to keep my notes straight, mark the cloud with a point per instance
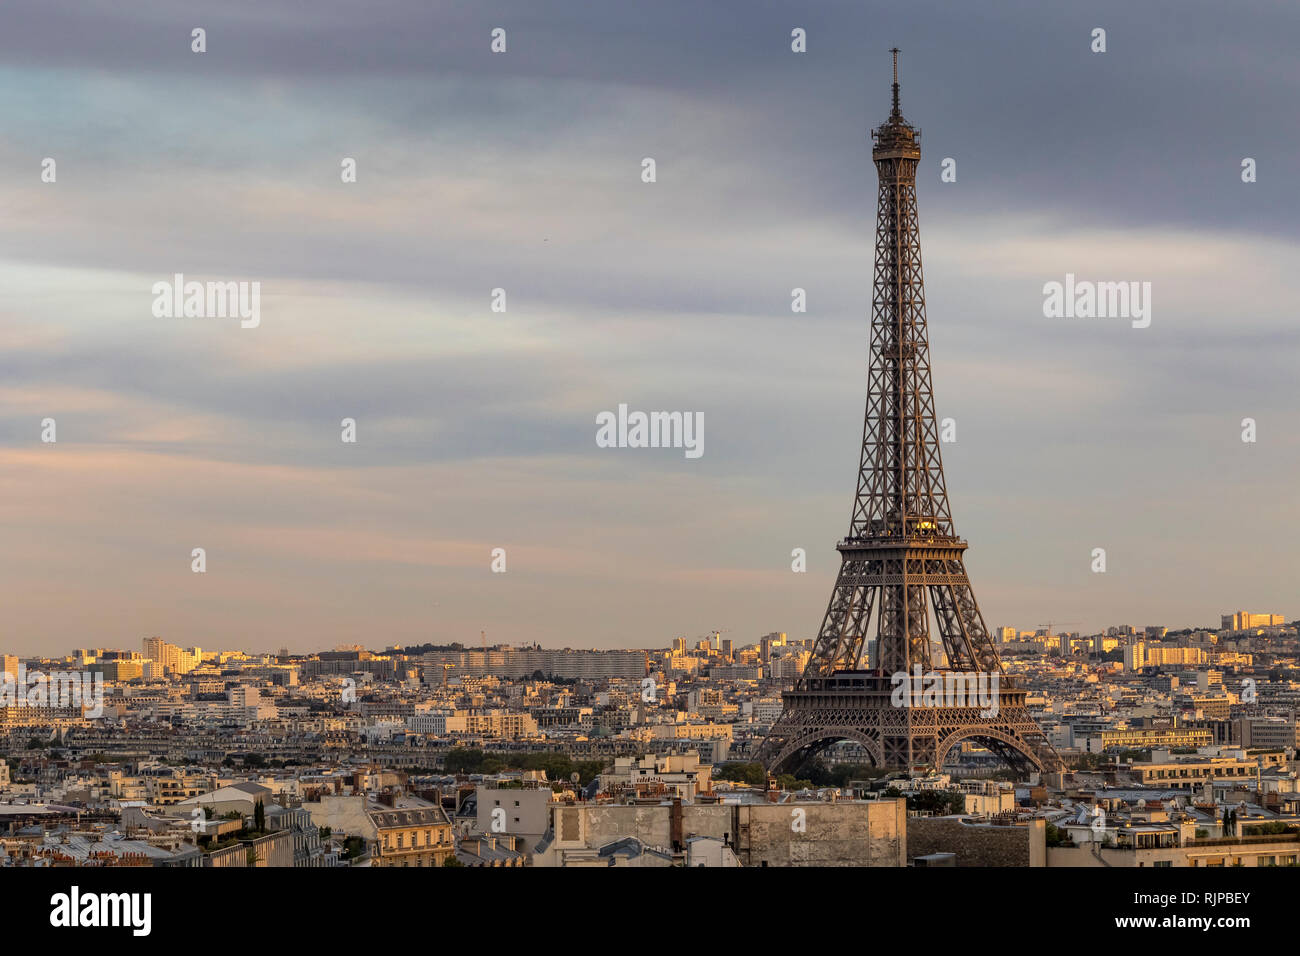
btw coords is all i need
(522, 172)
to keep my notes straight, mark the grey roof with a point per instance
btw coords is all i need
(484, 853)
(414, 816)
(631, 848)
(247, 786)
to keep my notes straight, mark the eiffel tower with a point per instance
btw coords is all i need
(902, 558)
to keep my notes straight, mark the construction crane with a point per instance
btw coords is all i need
(714, 637)
(1049, 625)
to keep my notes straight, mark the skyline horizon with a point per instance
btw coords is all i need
(691, 641)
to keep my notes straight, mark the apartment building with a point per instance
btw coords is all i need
(1187, 774)
(410, 832)
(1245, 620)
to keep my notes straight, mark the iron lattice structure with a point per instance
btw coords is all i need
(902, 557)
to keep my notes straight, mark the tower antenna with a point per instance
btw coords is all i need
(897, 113)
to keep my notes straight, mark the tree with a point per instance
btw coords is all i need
(1229, 823)
(558, 766)
(259, 816)
(741, 772)
(1055, 836)
(938, 802)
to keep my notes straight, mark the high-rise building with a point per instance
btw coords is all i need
(168, 655)
(173, 659)
(1245, 620)
(769, 641)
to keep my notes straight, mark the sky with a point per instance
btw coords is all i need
(522, 171)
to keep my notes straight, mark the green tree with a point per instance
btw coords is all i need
(740, 771)
(938, 802)
(259, 816)
(1055, 836)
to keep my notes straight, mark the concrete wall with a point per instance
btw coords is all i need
(527, 821)
(867, 833)
(978, 844)
(848, 833)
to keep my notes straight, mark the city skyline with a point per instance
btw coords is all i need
(522, 171)
(689, 642)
